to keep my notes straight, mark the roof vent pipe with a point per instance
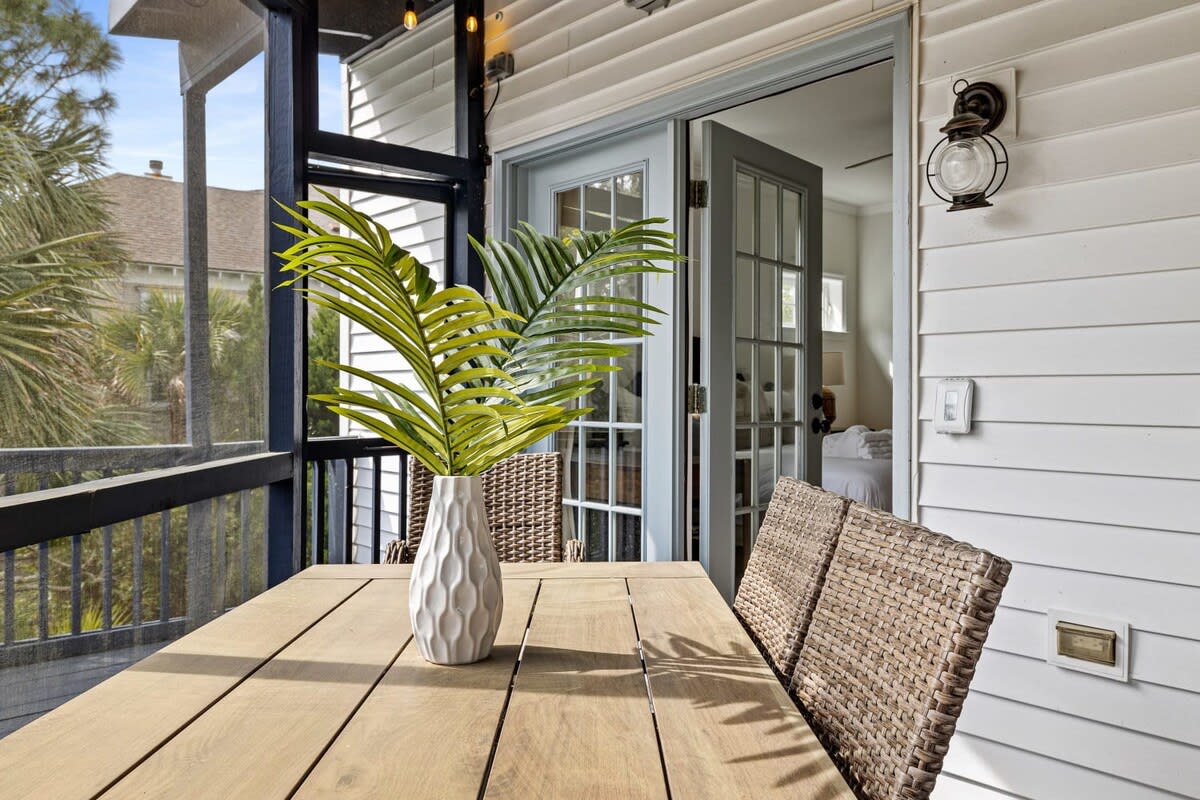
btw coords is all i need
(156, 169)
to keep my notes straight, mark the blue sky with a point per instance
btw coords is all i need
(148, 122)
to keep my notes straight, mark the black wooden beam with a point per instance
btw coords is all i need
(431, 190)
(86, 506)
(354, 151)
(467, 211)
(290, 97)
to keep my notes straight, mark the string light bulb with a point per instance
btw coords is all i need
(410, 16)
(472, 23)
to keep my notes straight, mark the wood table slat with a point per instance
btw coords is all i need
(84, 745)
(579, 722)
(427, 731)
(542, 571)
(260, 740)
(727, 726)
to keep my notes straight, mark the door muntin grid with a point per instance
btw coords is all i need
(769, 353)
(602, 453)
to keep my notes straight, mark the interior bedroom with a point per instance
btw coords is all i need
(843, 126)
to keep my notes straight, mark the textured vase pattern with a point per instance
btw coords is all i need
(455, 596)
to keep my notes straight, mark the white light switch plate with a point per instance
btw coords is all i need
(952, 407)
(1117, 672)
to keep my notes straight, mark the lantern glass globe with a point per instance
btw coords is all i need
(965, 167)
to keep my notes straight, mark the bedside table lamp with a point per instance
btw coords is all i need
(833, 373)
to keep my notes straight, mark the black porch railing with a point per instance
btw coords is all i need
(338, 519)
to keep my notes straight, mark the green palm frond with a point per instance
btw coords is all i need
(460, 414)
(559, 290)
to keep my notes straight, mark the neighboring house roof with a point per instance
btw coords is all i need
(147, 214)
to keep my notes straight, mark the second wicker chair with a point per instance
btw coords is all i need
(787, 568)
(892, 648)
(523, 497)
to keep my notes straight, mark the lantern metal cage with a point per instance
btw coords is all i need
(978, 109)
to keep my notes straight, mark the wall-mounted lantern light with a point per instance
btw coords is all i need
(969, 165)
(410, 16)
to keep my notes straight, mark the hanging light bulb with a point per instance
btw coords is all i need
(410, 16)
(472, 24)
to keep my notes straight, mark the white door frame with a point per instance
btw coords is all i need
(889, 37)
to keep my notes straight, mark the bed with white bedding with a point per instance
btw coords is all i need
(867, 480)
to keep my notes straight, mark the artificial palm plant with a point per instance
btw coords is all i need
(490, 378)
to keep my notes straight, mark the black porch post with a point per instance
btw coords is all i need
(291, 57)
(463, 265)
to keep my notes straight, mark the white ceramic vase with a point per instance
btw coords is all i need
(455, 596)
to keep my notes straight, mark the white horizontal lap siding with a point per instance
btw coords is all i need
(402, 94)
(1073, 302)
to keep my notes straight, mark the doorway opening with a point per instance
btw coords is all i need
(813, 355)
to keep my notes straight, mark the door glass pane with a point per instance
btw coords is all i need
(597, 534)
(745, 213)
(596, 464)
(629, 537)
(567, 444)
(768, 473)
(629, 197)
(628, 468)
(768, 215)
(789, 318)
(768, 299)
(566, 211)
(791, 227)
(570, 523)
(745, 399)
(766, 383)
(597, 204)
(790, 400)
(745, 297)
(628, 386)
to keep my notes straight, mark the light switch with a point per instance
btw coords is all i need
(952, 405)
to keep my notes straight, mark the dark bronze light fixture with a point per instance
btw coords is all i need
(968, 165)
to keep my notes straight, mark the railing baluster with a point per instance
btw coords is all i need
(348, 531)
(106, 572)
(320, 537)
(164, 567)
(376, 505)
(76, 583)
(135, 596)
(244, 541)
(219, 557)
(43, 563)
(402, 517)
(10, 597)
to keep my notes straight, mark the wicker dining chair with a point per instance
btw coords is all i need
(523, 497)
(892, 648)
(787, 568)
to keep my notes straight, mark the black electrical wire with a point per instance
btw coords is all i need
(496, 97)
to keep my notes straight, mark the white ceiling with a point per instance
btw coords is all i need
(833, 123)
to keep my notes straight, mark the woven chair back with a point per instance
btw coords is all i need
(787, 567)
(523, 497)
(892, 648)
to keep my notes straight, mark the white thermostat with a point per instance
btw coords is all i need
(952, 408)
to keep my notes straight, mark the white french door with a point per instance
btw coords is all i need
(760, 324)
(619, 487)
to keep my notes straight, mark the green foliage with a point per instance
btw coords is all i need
(323, 350)
(54, 260)
(145, 355)
(558, 290)
(462, 416)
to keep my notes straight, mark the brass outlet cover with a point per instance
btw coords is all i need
(1097, 645)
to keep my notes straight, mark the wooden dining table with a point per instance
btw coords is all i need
(628, 680)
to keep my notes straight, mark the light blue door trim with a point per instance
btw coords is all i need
(889, 37)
